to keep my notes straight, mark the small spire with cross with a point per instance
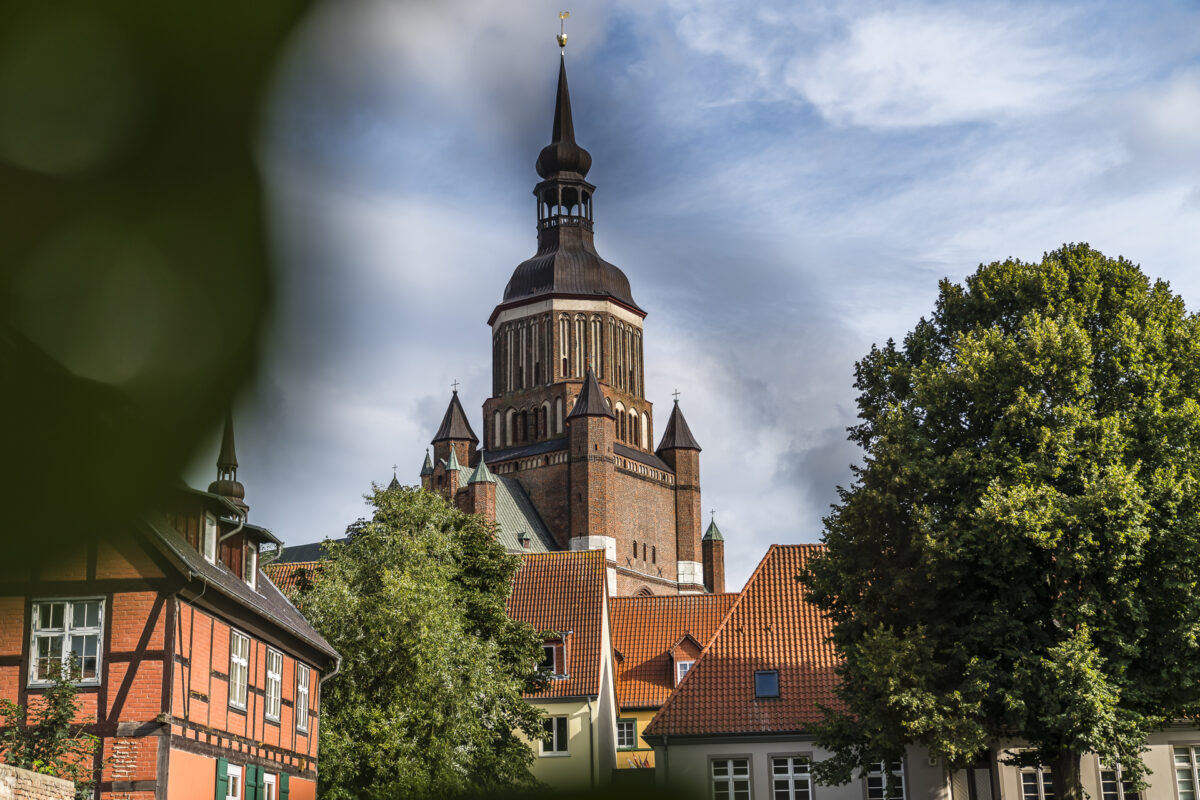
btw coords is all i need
(675, 394)
(562, 29)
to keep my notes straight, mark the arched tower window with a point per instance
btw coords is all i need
(597, 347)
(620, 356)
(508, 426)
(620, 412)
(580, 363)
(545, 419)
(653, 554)
(497, 429)
(635, 550)
(558, 415)
(638, 389)
(508, 358)
(521, 362)
(645, 431)
(564, 351)
(633, 426)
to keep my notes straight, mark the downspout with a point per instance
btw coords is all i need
(666, 759)
(591, 744)
(241, 524)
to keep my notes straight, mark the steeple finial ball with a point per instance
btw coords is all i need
(562, 34)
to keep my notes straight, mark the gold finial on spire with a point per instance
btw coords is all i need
(562, 33)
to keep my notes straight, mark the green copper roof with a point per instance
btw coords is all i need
(452, 462)
(516, 516)
(482, 474)
(713, 534)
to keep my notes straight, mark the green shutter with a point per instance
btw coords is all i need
(251, 790)
(260, 784)
(222, 779)
(283, 786)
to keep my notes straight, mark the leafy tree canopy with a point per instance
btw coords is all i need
(428, 700)
(1018, 553)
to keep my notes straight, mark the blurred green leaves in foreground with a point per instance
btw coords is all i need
(134, 279)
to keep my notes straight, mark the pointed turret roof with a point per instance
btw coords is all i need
(227, 485)
(563, 154)
(677, 435)
(452, 461)
(713, 534)
(482, 474)
(395, 482)
(591, 402)
(427, 467)
(454, 423)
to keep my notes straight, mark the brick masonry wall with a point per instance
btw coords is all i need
(547, 488)
(644, 512)
(21, 784)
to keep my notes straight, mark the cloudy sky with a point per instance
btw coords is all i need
(784, 183)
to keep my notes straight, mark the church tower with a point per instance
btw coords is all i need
(568, 434)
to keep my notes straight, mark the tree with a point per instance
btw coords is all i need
(1018, 553)
(51, 743)
(428, 701)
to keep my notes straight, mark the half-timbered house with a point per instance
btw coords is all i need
(202, 680)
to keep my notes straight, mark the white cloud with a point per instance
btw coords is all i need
(920, 67)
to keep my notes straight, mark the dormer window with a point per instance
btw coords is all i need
(681, 669)
(250, 565)
(554, 659)
(209, 546)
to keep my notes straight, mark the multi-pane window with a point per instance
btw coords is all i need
(626, 734)
(239, 668)
(250, 564)
(681, 669)
(1113, 785)
(302, 679)
(270, 788)
(554, 738)
(1187, 771)
(790, 778)
(233, 789)
(766, 683)
(210, 538)
(1037, 783)
(731, 778)
(877, 782)
(65, 635)
(274, 683)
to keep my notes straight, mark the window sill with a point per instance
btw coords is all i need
(554, 755)
(237, 708)
(271, 720)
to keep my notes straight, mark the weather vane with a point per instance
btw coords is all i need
(562, 32)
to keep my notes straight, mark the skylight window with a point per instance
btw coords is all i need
(766, 683)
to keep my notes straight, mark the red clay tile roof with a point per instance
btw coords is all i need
(289, 577)
(565, 591)
(770, 627)
(644, 629)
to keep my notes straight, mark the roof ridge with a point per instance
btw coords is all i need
(671, 700)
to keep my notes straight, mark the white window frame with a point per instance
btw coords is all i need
(209, 537)
(1118, 781)
(875, 780)
(65, 633)
(682, 667)
(250, 565)
(791, 770)
(239, 669)
(726, 775)
(303, 689)
(632, 723)
(270, 788)
(557, 739)
(1189, 768)
(233, 789)
(1039, 776)
(273, 696)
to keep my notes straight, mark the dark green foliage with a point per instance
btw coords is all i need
(429, 696)
(1018, 554)
(51, 743)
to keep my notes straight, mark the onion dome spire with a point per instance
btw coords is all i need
(227, 485)
(454, 424)
(677, 435)
(591, 402)
(563, 154)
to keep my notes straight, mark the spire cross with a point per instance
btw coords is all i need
(712, 513)
(562, 31)
(394, 468)
(675, 394)
(454, 385)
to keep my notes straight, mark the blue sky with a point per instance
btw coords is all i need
(784, 184)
